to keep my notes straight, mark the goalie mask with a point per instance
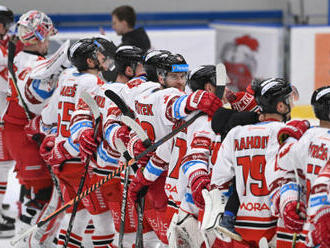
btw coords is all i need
(321, 103)
(83, 49)
(34, 26)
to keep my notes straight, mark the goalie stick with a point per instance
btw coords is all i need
(107, 178)
(97, 117)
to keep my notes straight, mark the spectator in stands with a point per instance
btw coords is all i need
(123, 22)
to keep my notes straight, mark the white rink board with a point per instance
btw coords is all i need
(302, 62)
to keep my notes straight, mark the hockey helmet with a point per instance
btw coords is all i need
(151, 61)
(34, 26)
(201, 75)
(270, 91)
(83, 49)
(128, 56)
(321, 103)
(6, 16)
(172, 63)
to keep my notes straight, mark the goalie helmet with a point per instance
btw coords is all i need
(270, 91)
(83, 49)
(6, 16)
(201, 75)
(151, 61)
(34, 26)
(128, 56)
(321, 103)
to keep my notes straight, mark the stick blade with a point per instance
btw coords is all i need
(88, 99)
(221, 76)
(119, 102)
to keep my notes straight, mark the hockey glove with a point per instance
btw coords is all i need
(88, 145)
(294, 129)
(204, 101)
(199, 180)
(122, 133)
(321, 234)
(135, 147)
(58, 154)
(32, 130)
(241, 101)
(46, 146)
(138, 187)
(292, 218)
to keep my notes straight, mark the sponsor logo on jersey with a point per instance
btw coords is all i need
(254, 206)
(143, 109)
(171, 189)
(251, 142)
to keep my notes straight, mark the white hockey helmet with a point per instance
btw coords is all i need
(34, 26)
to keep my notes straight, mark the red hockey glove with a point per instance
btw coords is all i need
(135, 147)
(32, 130)
(321, 234)
(199, 180)
(46, 146)
(291, 218)
(122, 133)
(88, 145)
(241, 101)
(138, 187)
(204, 101)
(293, 129)
(58, 154)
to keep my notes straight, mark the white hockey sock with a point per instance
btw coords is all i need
(4, 169)
(104, 230)
(79, 225)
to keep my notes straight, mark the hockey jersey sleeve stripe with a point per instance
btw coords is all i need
(107, 133)
(82, 124)
(152, 172)
(179, 108)
(42, 93)
(105, 156)
(189, 164)
(73, 145)
(319, 200)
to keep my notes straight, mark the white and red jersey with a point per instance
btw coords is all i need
(35, 92)
(309, 156)
(70, 86)
(194, 148)
(245, 154)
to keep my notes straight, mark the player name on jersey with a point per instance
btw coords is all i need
(251, 142)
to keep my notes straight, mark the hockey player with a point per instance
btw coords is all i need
(301, 158)
(244, 154)
(189, 175)
(7, 228)
(165, 116)
(87, 57)
(30, 88)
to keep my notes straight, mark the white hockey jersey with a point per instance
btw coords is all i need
(245, 154)
(309, 156)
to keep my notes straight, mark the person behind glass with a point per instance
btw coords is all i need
(123, 22)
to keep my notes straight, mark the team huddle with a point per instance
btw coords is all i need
(155, 158)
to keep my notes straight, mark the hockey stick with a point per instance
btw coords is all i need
(221, 79)
(129, 119)
(122, 149)
(107, 178)
(97, 116)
